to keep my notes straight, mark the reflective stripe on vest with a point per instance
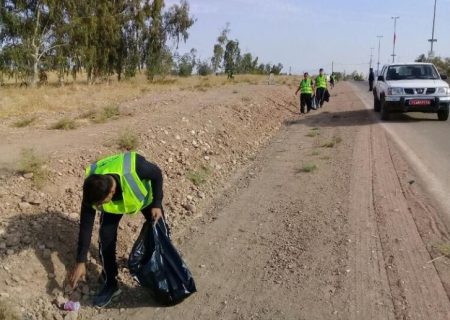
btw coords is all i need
(136, 193)
(305, 86)
(130, 179)
(321, 81)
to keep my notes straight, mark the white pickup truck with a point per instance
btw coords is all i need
(411, 87)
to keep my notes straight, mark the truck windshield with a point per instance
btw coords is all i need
(416, 71)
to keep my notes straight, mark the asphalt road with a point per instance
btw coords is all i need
(426, 143)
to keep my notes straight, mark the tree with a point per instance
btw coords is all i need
(204, 68)
(421, 58)
(231, 57)
(219, 50)
(187, 63)
(276, 69)
(174, 24)
(28, 34)
(246, 64)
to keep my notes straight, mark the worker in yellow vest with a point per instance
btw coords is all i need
(121, 184)
(306, 90)
(321, 86)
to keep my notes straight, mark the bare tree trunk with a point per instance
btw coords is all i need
(34, 75)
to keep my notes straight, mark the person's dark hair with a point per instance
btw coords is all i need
(96, 188)
(321, 69)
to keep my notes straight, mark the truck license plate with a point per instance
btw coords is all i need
(419, 102)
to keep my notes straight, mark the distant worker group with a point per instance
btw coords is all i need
(313, 94)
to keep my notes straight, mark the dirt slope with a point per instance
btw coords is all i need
(321, 224)
(339, 243)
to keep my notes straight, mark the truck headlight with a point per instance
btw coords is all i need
(395, 91)
(443, 90)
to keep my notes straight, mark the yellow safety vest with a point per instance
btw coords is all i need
(321, 81)
(136, 193)
(306, 86)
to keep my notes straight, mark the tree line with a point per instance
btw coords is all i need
(442, 64)
(102, 37)
(109, 37)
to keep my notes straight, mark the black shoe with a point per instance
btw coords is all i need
(106, 294)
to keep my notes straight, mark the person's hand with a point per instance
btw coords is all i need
(156, 215)
(78, 273)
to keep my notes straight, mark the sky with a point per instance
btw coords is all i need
(305, 35)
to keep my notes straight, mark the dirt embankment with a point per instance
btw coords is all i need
(198, 138)
(327, 221)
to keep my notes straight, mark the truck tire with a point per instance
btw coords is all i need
(376, 103)
(383, 110)
(442, 115)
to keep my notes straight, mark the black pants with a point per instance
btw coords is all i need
(305, 99)
(320, 94)
(107, 242)
(370, 85)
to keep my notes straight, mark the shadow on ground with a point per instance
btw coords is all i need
(54, 236)
(356, 118)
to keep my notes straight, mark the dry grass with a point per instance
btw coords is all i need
(128, 140)
(443, 249)
(200, 176)
(111, 112)
(7, 311)
(308, 167)
(64, 124)
(331, 143)
(313, 133)
(30, 162)
(25, 122)
(77, 95)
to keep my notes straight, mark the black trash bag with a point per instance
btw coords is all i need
(326, 96)
(155, 263)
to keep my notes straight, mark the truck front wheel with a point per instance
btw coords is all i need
(443, 115)
(384, 111)
(376, 103)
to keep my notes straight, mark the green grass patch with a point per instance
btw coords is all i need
(314, 132)
(128, 140)
(200, 176)
(30, 162)
(111, 112)
(64, 124)
(331, 143)
(308, 167)
(315, 153)
(443, 249)
(24, 122)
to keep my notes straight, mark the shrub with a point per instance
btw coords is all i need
(64, 124)
(30, 162)
(24, 122)
(127, 140)
(309, 167)
(200, 176)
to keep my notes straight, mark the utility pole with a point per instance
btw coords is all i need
(432, 40)
(395, 38)
(371, 57)
(378, 63)
(332, 67)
